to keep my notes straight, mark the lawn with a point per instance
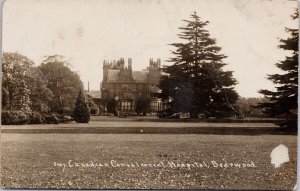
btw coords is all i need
(49, 161)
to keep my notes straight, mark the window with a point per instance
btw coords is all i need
(126, 106)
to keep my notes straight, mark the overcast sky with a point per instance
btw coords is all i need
(88, 31)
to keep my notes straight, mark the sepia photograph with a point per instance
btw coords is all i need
(149, 94)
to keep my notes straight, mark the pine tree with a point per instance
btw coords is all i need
(20, 98)
(283, 101)
(196, 81)
(81, 113)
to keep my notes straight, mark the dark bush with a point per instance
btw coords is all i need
(23, 118)
(63, 118)
(81, 113)
(20, 118)
(51, 119)
(8, 118)
(94, 111)
(36, 118)
(14, 117)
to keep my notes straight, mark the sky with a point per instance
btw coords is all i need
(86, 32)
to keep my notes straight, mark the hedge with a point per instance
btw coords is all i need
(21, 118)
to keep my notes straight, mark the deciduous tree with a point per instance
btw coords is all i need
(62, 81)
(20, 74)
(20, 98)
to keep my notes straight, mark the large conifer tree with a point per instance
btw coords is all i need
(283, 101)
(196, 82)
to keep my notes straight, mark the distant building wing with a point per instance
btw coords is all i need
(94, 93)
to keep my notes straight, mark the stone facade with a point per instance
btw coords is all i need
(131, 91)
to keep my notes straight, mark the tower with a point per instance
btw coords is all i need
(154, 71)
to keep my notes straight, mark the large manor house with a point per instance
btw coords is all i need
(127, 87)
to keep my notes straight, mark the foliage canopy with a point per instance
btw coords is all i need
(283, 101)
(196, 82)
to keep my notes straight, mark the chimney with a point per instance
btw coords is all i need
(129, 62)
(158, 62)
(130, 66)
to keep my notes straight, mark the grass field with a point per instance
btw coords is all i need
(37, 160)
(150, 127)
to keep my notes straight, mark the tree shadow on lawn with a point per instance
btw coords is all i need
(159, 130)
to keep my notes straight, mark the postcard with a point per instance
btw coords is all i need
(149, 94)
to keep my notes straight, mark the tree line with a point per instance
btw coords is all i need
(197, 83)
(37, 94)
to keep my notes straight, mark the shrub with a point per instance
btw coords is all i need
(23, 118)
(94, 111)
(81, 113)
(63, 118)
(8, 118)
(36, 118)
(14, 117)
(51, 119)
